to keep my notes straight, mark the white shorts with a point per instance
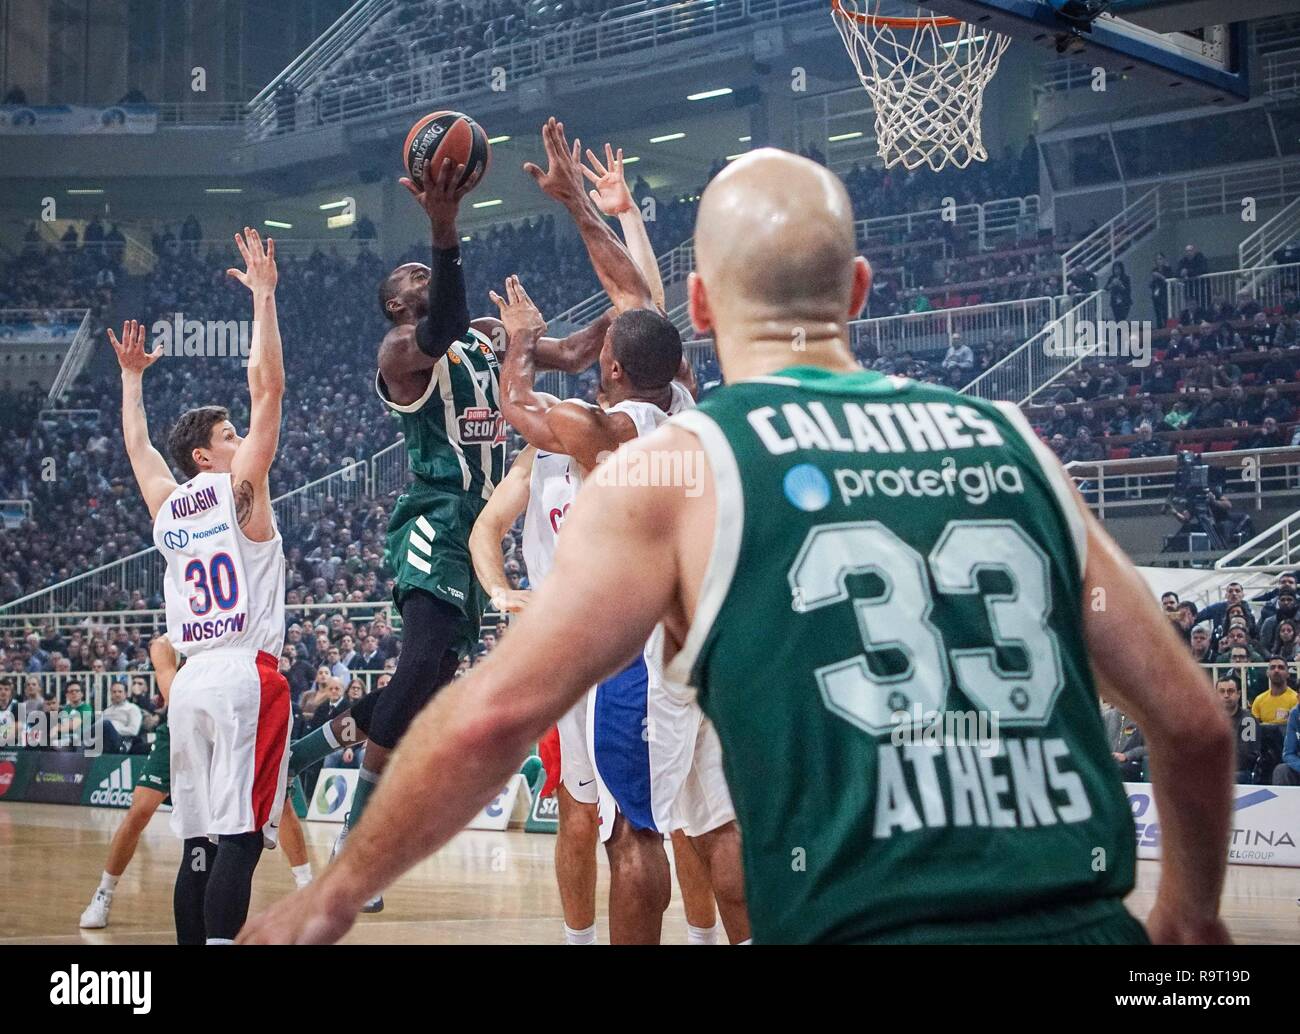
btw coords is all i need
(704, 803)
(577, 773)
(642, 741)
(229, 717)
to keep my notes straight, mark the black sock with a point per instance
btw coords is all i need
(197, 855)
(230, 885)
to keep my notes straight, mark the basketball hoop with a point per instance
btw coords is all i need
(926, 78)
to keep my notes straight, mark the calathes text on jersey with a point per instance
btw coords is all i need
(893, 427)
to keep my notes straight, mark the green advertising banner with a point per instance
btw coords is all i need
(112, 780)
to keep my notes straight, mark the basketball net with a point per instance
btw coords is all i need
(926, 78)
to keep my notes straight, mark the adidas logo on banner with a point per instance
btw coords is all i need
(116, 790)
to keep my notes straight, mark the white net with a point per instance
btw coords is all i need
(926, 77)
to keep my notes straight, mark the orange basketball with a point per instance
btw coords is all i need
(442, 135)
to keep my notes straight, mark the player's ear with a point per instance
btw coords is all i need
(698, 302)
(861, 286)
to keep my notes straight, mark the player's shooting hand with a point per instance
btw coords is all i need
(520, 316)
(440, 195)
(610, 194)
(260, 273)
(131, 355)
(562, 179)
(512, 601)
(313, 915)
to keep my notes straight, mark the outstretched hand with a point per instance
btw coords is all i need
(130, 349)
(518, 313)
(261, 273)
(440, 195)
(562, 179)
(610, 194)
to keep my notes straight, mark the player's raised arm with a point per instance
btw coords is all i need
(503, 507)
(447, 317)
(583, 432)
(562, 180)
(1145, 669)
(611, 195)
(465, 745)
(250, 470)
(151, 471)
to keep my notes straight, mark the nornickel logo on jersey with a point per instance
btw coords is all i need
(176, 539)
(125, 987)
(207, 533)
(482, 426)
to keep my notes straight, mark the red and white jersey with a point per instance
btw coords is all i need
(550, 493)
(221, 589)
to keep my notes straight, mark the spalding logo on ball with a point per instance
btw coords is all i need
(442, 135)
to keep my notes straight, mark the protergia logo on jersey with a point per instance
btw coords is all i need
(132, 988)
(976, 484)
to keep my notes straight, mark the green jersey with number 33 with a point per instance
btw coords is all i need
(889, 640)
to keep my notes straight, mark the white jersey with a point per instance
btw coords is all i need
(221, 588)
(556, 480)
(550, 493)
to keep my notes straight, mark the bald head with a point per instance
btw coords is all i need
(775, 232)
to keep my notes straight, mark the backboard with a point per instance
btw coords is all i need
(1194, 48)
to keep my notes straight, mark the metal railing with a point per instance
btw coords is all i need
(441, 76)
(41, 326)
(142, 573)
(1256, 249)
(1279, 544)
(152, 621)
(1113, 239)
(388, 470)
(674, 267)
(1263, 284)
(285, 247)
(1132, 486)
(74, 360)
(1038, 362)
(984, 223)
(1273, 182)
(359, 19)
(200, 113)
(1280, 71)
(976, 325)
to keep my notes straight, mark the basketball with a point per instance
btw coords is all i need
(446, 134)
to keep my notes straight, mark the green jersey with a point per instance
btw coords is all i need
(889, 642)
(456, 447)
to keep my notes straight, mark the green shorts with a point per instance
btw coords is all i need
(427, 547)
(1105, 921)
(157, 773)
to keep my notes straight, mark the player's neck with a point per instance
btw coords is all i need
(746, 356)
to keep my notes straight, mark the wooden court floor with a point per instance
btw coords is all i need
(482, 888)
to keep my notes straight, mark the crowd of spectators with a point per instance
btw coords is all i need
(1249, 648)
(423, 42)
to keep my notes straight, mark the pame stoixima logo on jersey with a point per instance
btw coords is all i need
(115, 790)
(482, 426)
(176, 539)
